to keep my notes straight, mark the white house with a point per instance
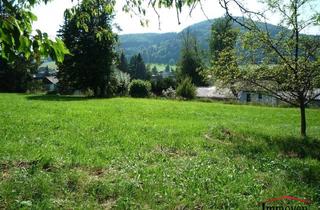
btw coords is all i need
(257, 97)
(214, 93)
(245, 96)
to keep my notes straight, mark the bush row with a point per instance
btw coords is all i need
(142, 89)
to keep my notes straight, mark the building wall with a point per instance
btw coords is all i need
(256, 97)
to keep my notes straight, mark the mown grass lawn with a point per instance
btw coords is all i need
(122, 153)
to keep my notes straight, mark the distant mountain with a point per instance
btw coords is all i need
(165, 47)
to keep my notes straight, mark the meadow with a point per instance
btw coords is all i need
(160, 67)
(123, 153)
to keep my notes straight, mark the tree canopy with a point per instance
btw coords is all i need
(223, 53)
(191, 64)
(137, 68)
(88, 34)
(16, 37)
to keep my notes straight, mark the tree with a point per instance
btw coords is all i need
(123, 63)
(167, 69)
(186, 89)
(291, 68)
(138, 69)
(223, 36)
(87, 32)
(223, 53)
(154, 71)
(190, 64)
(16, 77)
(16, 37)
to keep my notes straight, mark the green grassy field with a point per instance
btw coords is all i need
(122, 153)
(160, 67)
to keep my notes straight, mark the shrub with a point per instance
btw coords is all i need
(123, 81)
(139, 88)
(35, 86)
(186, 89)
(169, 93)
(161, 84)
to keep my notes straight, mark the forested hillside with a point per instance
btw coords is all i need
(165, 48)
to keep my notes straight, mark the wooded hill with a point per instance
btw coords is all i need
(165, 47)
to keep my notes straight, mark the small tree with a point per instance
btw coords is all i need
(190, 64)
(186, 89)
(167, 69)
(154, 70)
(123, 63)
(138, 69)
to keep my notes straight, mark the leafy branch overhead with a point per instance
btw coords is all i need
(16, 34)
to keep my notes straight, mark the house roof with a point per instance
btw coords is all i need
(52, 79)
(214, 92)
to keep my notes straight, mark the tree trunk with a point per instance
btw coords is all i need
(303, 130)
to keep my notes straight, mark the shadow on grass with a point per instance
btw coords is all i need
(264, 150)
(287, 146)
(253, 144)
(57, 98)
(297, 147)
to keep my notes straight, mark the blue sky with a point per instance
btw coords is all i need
(50, 17)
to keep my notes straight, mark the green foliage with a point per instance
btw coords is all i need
(167, 69)
(165, 48)
(76, 153)
(137, 68)
(123, 82)
(154, 70)
(139, 88)
(160, 84)
(15, 77)
(191, 64)
(223, 37)
(186, 89)
(35, 86)
(16, 37)
(87, 32)
(223, 53)
(123, 63)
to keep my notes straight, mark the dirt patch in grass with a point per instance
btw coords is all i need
(108, 204)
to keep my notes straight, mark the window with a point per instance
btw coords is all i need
(248, 97)
(260, 96)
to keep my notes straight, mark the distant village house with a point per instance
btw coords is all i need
(244, 96)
